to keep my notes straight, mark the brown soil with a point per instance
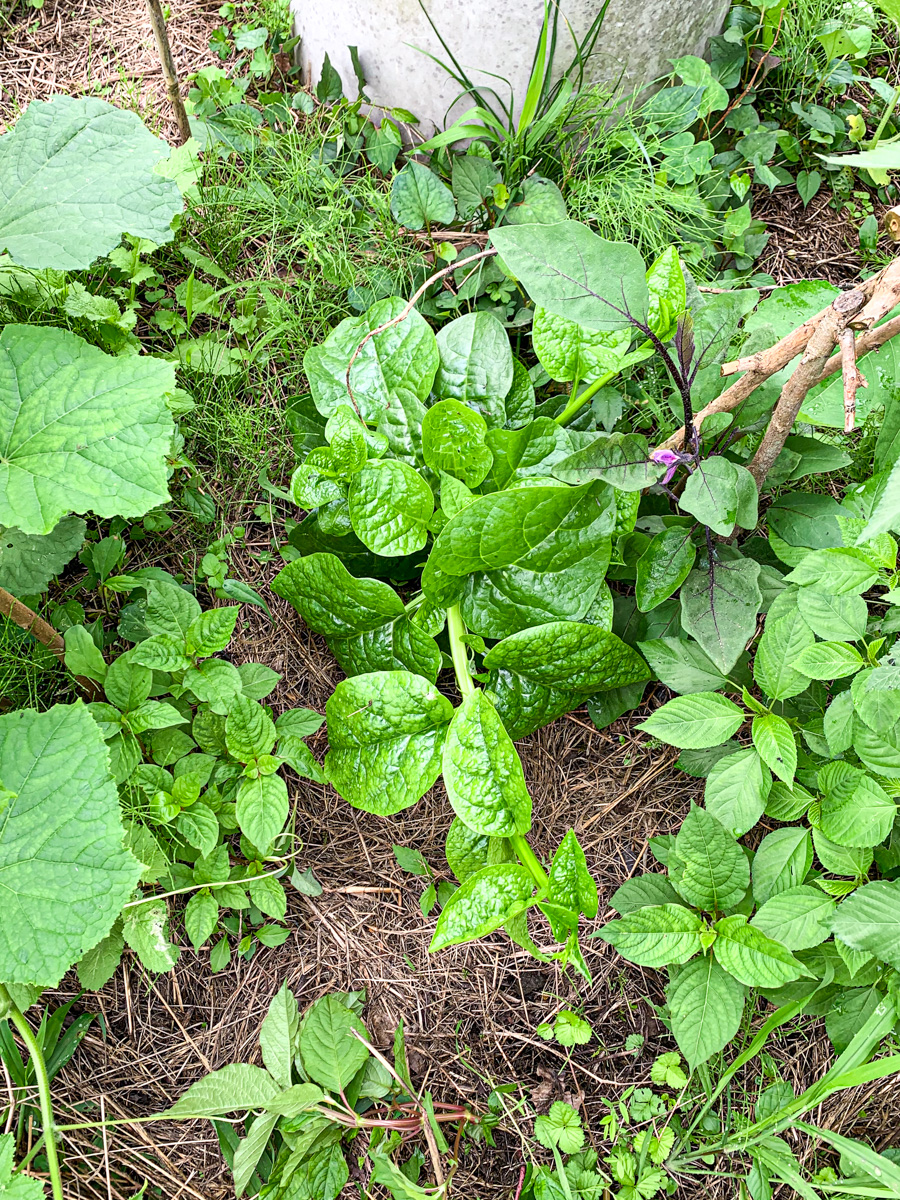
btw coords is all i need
(470, 1013)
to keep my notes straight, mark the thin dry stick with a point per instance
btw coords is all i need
(401, 316)
(105, 1147)
(805, 375)
(853, 377)
(158, 24)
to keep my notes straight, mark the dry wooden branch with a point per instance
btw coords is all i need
(883, 298)
(28, 620)
(170, 75)
(853, 377)
(806, 373)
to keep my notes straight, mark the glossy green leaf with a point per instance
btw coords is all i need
(696, 721)
(385, 731)
(64, 870)
(569, 270)
(483, 773)
(568, 351)
(620, 459)
(663, 567)
(476, 367)
(249, 730)
(737, 789)
(390, 506)
(568, 654)
(332, 601)
(453, 441)
(466, 850)
(571, 884)
(750, 956)
(484, 902)
(261, 808)
(111, 460)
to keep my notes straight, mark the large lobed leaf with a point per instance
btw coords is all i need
(75, 174)
(79, 430)
(64, 874)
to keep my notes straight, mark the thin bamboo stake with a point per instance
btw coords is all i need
(158, 23)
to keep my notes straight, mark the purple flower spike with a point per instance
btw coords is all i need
(666, 458)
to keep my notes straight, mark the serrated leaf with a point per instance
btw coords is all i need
(869, 921)
(169, 609)
(560, 1127)
(390, 506)
(709, 868)
(331, 1054)
(111, 460)
(249, 730)
(211, 631)
(199, 826)
(737, 789)
(774, 740)
(28, 562)
(76, 174)
(855, 810)
(656, 936)
(781, 862)
(783, 639)
(239, 1087)
(483, 773)
(261, 808)
(705, 1008)
(249, 1151)
(201, 916)
(834, 571)
(161, 652)
(833, 618)
(695, 722)
(750, 956)
(65, 872)
(719, 605)
(799, 917)
(97, 967)
(569, 270)
(385, 731)
(278, 1036)
(487, 900)
(642, 892)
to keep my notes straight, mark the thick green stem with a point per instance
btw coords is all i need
(456, 631)
(43, 1082)
(577, 403)
(528, 858)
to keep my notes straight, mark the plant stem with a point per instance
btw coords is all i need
(456, 631)
(886, 116)
(577, 403)
(43, 1083)
(528, 859)
(170, 75)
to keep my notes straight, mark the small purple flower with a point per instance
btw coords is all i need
(666, 458)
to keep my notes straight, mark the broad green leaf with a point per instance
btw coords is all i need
(799, 918)
(838, 723)
(668, 291)
(520, 399)
(880, 752)
(875, 697)
(418, 198)
(215, 682)
(525, 705)
(64, 870)
(869, 920)
(249, 730)
(398, 645)
(161, 652)
(29, 562)
(199, 826)
(278, 1035)
(298, 1098)
(568, 351)
(642, 892)
(98, 966)
(466, 850)
(835, 571)
(390, 506)
(82, 655)
(201, 916)
(781, 862)
(621, 459)
(774, 740)
(737, 789)
(250, 1150)
(854, 810)
(787, 803)
(560, 1128)
(705, 1008)
(483, 773)
(332, 601)
(833, 618)
(663, 567)
(571, 884)
(331, 1054)
(503, 602)
(829, 660)
(402, 356)
(884, 514)
(385, 731)
(170, 609)
(536, 528)
(656, 936)
(569, 270)
(80, 430)
(298, 723)
(750, 956)
(76, 174)
(239, 1087)
(709, 868)
(784, 638)
(257, 680)
(261, 808)
(453, 441)
(719, 605)
(476, 367)
(484, 902)
(211, 631)
(568, 654)
(851, 861)
(324, 1174)
(473, 179)
(682, 665)
(711, 495)
(696, 721)
(401, 424)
